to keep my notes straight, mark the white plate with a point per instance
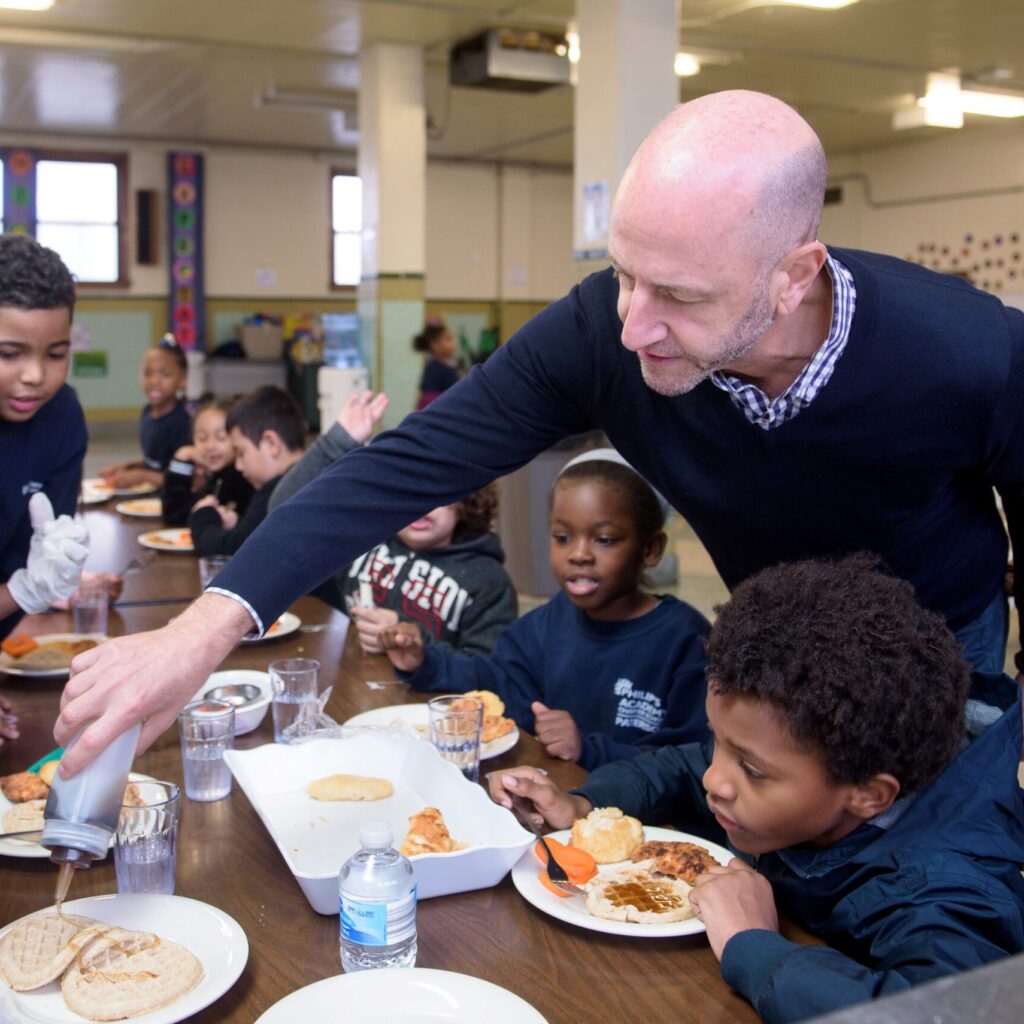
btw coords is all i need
(96, 489)
(17, 848)
(404, 997)
(316, 837)
(250, 718)
(571, 909)
(285, 625)
(166, 540)
(141, 508)
(10, 665)
(216, 939)
(419, 714)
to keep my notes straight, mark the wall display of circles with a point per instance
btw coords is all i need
(19, 200)
(994, 263)
(185, 242)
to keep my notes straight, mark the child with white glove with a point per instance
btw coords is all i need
(57, 552)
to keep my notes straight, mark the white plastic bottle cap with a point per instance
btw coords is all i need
(376, 835)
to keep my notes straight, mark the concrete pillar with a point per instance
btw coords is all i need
(392, 164)
(625, 85)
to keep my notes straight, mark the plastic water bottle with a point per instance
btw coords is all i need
(377, 903)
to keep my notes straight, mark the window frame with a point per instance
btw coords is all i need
(120, 161)
(344, 289)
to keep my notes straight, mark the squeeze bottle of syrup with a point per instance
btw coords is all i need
(81, 813)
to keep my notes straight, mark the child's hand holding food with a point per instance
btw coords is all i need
(403, 643)
(370, 623)
(733, 899)
(557, 732)
(546, 802)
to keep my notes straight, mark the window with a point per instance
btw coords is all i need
(78, 210)
(346, 225)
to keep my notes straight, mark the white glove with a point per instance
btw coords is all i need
(55, 558)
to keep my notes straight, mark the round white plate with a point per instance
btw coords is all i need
(141, 508)
(216, 939)
(10, 665)
(286, 624)
(18, 848)
(167, 540)
(408, 996)
(250, 718)
(96, 489)
(571, 909)
(419, 714)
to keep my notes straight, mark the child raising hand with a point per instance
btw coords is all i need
(605, 669)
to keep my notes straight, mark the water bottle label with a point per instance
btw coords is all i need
(378, 924)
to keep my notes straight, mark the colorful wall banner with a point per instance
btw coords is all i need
(186, 303)
(19, 191)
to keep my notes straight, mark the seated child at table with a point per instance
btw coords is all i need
(444, 573)
(205, 467)
(164, 425)
(840, 775)
(267, 431)
(42, 437)
(603, 670)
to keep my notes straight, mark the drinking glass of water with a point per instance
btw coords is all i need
(455, 724)
(207, 730)
(294, 682)
(145, 844)
(90, 608)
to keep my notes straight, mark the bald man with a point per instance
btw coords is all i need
(790, 401)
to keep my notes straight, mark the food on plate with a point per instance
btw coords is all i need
(143, 506)
(429, 834)
(26, 817)
(132, 796)
(607, 834)
(48, 771)
(350, 787)
(635, 893)
(52, 654)
(39, 948)
(179, 539)
(23, 786)
(680, 860)
(274, 628)
(18, 645)
(122, 973)
(495, 722)
(577, 864)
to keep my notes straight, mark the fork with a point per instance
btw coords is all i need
(138, 563)
(556, 873)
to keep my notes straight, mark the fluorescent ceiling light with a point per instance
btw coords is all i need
(26, 5)
(685, 65)
(818, 5)
(992, 104)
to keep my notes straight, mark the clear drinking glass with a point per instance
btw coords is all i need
(209, 566)
(455, 724)
(294, 682)
(207, 730)
(146, 841)
(90, 607)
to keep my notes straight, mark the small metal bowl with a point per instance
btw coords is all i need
(238, 694)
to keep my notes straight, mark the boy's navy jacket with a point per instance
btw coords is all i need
(936, 891)
(160, 437)
(44, 454)
(629, 686)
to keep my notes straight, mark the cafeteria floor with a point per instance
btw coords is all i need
(698, 582)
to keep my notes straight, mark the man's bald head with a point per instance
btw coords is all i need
(748, 159)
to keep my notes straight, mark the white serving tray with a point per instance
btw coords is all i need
(317, 837)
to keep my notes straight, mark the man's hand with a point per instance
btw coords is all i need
(8, 721)
(56, 555)
(557, 732)
(733, 899)
(147, 677)
(403, 643)
(370, 623)
(361, 413)
(547, 803)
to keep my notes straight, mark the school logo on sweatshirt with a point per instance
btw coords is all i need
(429, 596)
(31, 487)
(638, 709)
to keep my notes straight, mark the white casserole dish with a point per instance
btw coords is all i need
(316, 837)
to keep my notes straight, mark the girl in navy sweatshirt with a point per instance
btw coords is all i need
(605, 669)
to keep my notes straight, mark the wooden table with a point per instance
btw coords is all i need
(227, 859)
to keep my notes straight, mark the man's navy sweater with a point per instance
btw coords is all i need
(629, 686)
(898, 454)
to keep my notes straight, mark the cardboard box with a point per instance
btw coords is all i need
(261, 341)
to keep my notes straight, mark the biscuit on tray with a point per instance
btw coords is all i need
(607, 834)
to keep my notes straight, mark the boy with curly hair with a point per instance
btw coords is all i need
(839, 775)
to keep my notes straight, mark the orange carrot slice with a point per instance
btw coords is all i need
(578, 864)
(542, 877)
(16, 646)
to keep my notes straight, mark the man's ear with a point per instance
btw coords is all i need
(795, 274)
(655, 548)
(873, 797)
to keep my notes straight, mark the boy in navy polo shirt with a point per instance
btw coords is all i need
(42, 437)
(840, 776)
